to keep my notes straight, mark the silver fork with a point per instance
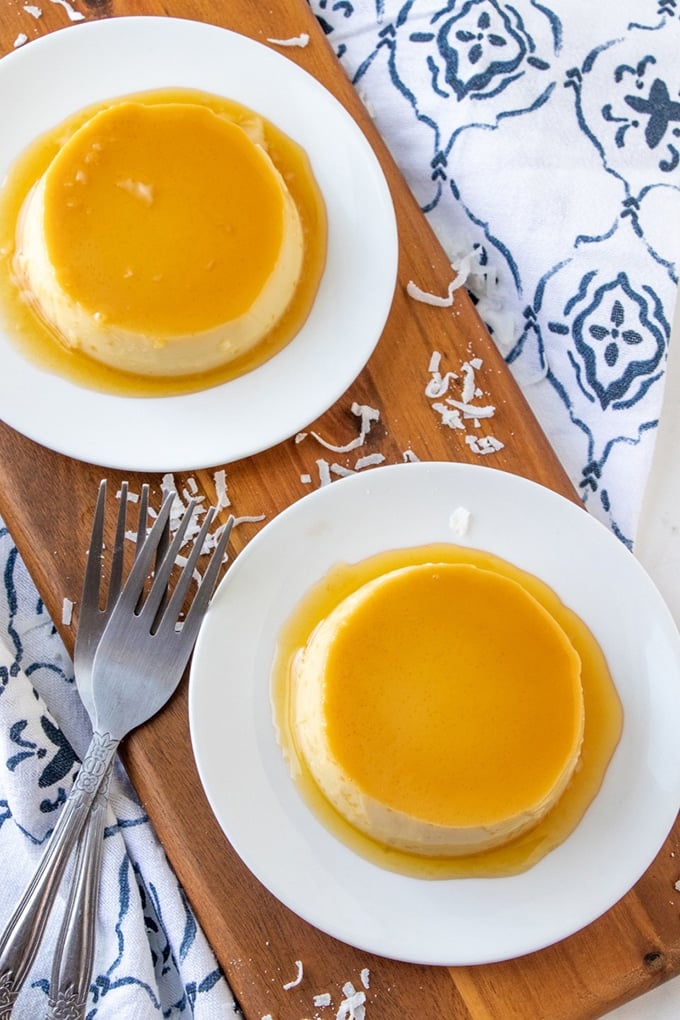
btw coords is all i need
(74, 953)
(138, 663)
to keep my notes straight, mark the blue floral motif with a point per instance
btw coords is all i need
(641, 115)
(599, 337)
(64, 758)
(620, 341)
(473, 50)
(481, 48)
(342, 7)
(483, 61)
(5, 812)
(661, 113)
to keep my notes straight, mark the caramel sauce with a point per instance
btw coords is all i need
(37, 341)
(603, 719)
(450, 685)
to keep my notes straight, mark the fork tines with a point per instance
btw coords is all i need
(169, 614)
(156, 557)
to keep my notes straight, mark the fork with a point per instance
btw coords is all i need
(74, 954)
(138, 663)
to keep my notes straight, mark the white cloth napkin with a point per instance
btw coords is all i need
(152, 959)
(542, 140)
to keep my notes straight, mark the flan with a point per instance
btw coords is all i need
(439, 709)
(161, 239)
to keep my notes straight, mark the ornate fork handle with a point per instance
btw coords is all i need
(22, 936)
(74, 953)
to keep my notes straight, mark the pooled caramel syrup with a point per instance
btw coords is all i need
(603, 719)
(39, 344)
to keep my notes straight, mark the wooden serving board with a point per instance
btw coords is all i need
(47, 501)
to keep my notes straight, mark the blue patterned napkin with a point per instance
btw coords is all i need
(152, 959)
(542, 140)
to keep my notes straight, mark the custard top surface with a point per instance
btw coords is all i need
(452, 695)
(163, 218)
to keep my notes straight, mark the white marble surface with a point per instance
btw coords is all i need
(663, 1003)
(657, 546)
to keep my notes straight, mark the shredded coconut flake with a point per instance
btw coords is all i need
(460, 520)
(20, 40)
(677, 884)
(472, 410)
(220, 480)
(324, 472)
(439, 384)
(426, 298)
(249, 519)
(323, 999)
(435, 362)
(483, 280)
(298, 977)
(449, 416)
(470, 389)
(352, 1006)
(370, 460)
(306, 479)
(365, 977)
(179, 507)
(341, 471)
(189, 493)
(464, 413)
(368, 415)
(66, 612)
(73, 14)
(370, 108)
(409, 457)
(484, 444)
(436, 300)
(296, 40)
(35, 12)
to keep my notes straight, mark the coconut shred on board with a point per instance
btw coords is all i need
(461, 411)
(189, 492)
(177, 511)
(352, 1006)
(368, 416)
(457, 413)
(73, 14)
(297, 40)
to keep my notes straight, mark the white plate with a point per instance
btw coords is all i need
(54, 76)
(457, 921)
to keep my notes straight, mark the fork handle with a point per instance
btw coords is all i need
(22, 936)
(74, 953)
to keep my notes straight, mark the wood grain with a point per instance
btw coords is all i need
(47, 502)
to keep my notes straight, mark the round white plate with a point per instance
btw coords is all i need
(457, 921)
(54, 76)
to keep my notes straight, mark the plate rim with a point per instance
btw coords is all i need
(53, 409)
(386, 938)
